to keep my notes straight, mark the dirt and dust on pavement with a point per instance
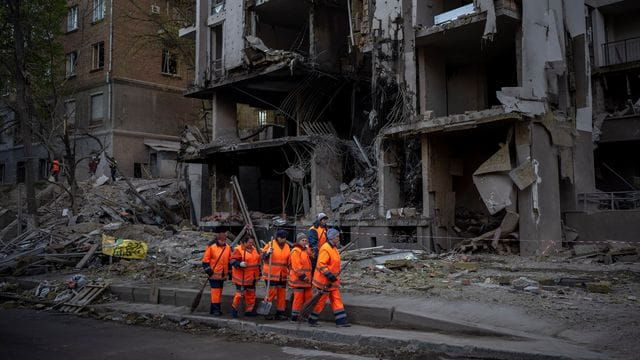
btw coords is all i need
(590, 293)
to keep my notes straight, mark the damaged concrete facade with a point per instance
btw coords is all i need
(462, 120)
(503, 119)
(611, 212)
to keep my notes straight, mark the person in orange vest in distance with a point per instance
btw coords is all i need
(245, 263)
(327, 279)
(318, 235)
(55, 169)
(300, 274)
(275, 267)
(215, 263)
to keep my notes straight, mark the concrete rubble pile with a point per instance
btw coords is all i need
(356, 200)
(153, 216)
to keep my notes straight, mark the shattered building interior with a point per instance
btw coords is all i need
(420, 123)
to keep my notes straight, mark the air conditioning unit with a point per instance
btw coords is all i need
(155, 9)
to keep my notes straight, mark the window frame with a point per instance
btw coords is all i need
(70, 124)
(73, 10)
(97, 56)
(71, 64)
(168, 55)
(96, 121)
(99, 9)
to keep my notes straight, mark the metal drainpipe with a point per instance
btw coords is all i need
(109, 73)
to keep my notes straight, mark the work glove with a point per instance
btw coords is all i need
(209, 271)
(270, 251)
(243, 264)
(332, 278)
(302, 277)
(235, 263)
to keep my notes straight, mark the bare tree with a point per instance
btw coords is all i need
(28, 29)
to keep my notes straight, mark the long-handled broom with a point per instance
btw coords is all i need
(308, 307)
(196, 300)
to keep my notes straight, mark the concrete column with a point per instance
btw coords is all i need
(326, 177)
(538, 204)
(390, 196)
(598, 36)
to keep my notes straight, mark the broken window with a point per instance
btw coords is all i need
(169, 62)
(217, 6)
(72, 18)
(215, 52)
(72, 61)
(98, 55)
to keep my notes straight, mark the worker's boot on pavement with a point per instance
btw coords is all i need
(343, 322)
(313, 322)
(294, 318)
(234, 313)
(280, 315)
(251, 313)
(215, 310)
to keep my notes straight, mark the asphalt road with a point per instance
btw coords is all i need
(28, 335)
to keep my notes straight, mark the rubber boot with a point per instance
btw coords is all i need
(215, 310)
(342, 322)
(280, 315)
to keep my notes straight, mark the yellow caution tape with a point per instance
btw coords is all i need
(124, 248)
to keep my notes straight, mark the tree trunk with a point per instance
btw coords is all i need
(24, 106)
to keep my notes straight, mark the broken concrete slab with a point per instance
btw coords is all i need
(524, 175)
(495, 190)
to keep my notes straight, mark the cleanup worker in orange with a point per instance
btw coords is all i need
(318, 235)
(245, 262)
(55, 169)
(327, 279)
(215, 263)
(275, 267)
(300, 274)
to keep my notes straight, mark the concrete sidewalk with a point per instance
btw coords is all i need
(433, 325)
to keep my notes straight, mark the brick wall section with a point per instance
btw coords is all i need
(146, 104)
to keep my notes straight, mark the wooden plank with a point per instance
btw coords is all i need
(88, 256)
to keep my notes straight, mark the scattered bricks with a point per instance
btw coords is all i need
(470, 266)
(522, 282)
(600, 287)
(466, 282)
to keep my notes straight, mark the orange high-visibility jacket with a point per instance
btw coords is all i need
(279, 262)
(55, 166)
(320, 235)
(218, 256)
(328, 262)
(299, 264)
(248, 275)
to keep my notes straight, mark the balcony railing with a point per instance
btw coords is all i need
(621, 51)
(617, 200)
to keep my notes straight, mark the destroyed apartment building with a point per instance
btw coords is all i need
(421, 124)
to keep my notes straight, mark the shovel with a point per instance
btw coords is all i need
(264, 308)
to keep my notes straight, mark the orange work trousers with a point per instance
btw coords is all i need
(278, 290)
(249, 298)
(301, 296)
(335, 298)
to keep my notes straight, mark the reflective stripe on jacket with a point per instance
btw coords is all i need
(212, 254)
(248, 275)
(299, 264)
(328, 263)
(279, 262)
